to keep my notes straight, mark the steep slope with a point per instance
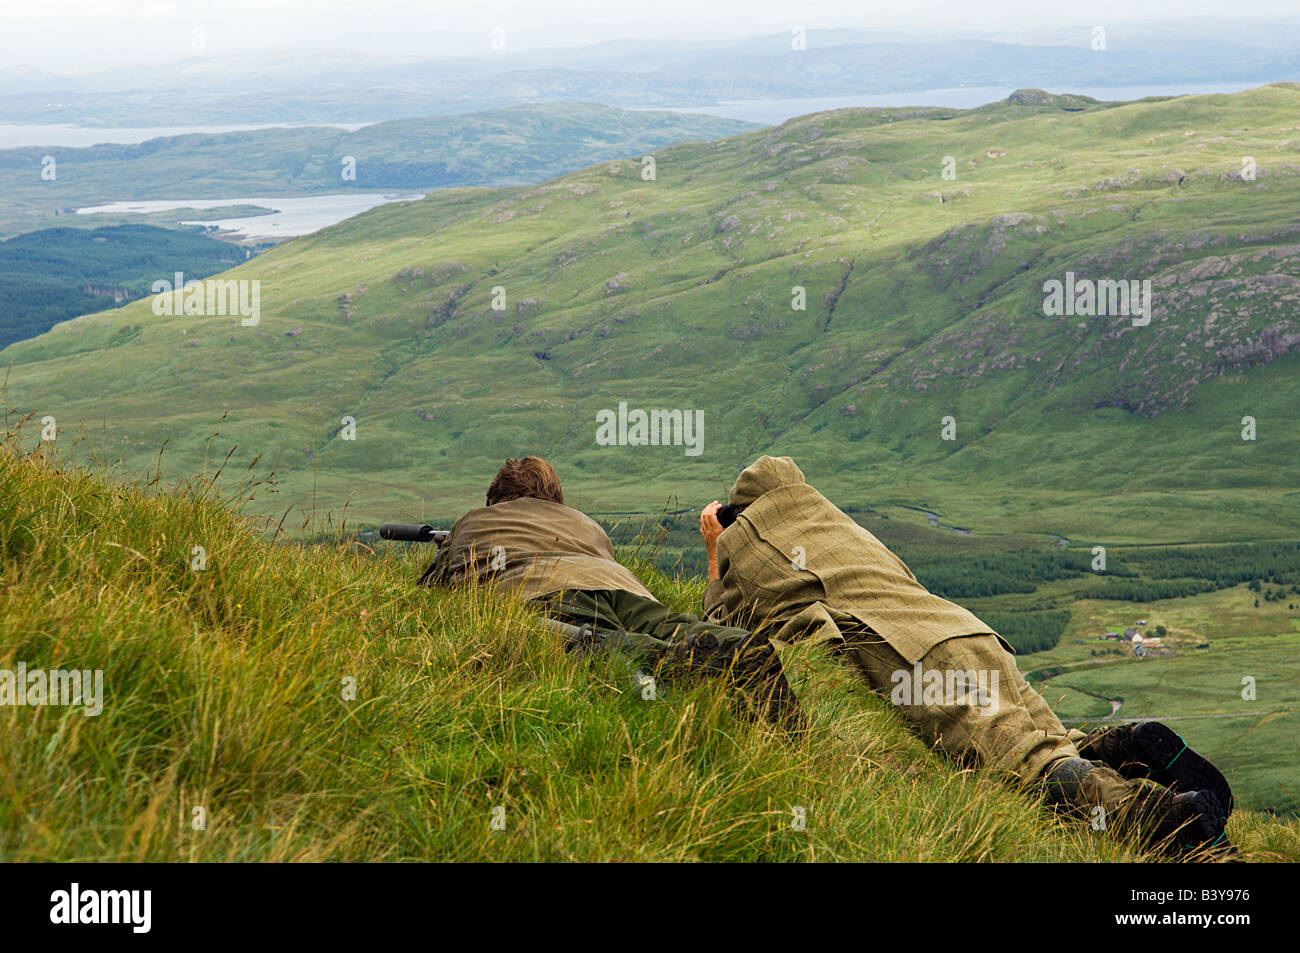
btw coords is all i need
(925, 299)
(313, 703)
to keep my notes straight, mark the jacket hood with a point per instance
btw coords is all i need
(764, 474)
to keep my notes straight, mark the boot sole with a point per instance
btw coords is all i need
(1206, 829)
(1172, 763)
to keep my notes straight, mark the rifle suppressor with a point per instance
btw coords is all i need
(412, 533)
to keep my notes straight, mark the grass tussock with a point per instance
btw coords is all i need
(227, 689)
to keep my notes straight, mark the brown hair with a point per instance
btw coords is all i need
(529, 476)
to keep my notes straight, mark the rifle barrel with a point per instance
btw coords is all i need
(410, 532)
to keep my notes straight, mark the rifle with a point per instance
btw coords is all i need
(413, 533)
(424, 533)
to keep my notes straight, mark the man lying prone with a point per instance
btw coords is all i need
(794, 567)
(526, 541)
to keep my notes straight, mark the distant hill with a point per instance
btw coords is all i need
(58, 273)
(351, 86)
(924, 300)
(512, 146)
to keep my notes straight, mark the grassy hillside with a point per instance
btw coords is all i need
(224, 690)
(514, 146)
(924, 300)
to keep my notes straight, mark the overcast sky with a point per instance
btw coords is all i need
(63, 34)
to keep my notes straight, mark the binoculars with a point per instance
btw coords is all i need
(727, 514)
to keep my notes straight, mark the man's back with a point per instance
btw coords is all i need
(532, 547)
(791, 547)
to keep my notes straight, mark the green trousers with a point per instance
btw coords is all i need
(1005, 725)
(1009, 727)
(677, 641)
(614, 609)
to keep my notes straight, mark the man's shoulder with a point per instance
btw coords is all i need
(801, 514)
(790, 505)
(533, 503)
(534, 509)
(538, 522)
(528, 506)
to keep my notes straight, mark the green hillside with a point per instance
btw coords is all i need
(924, 300)
(310, 702)
(512, 146)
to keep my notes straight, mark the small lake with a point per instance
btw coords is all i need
(290, 217)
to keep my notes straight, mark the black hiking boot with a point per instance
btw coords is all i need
(1190, 824)
(1154, 751)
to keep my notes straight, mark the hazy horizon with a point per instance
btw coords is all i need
(65, 36)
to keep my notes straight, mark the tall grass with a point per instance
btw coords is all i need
(225, 690)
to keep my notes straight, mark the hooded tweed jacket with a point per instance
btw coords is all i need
(794, 566)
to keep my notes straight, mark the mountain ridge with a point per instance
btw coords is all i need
(924, 300)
